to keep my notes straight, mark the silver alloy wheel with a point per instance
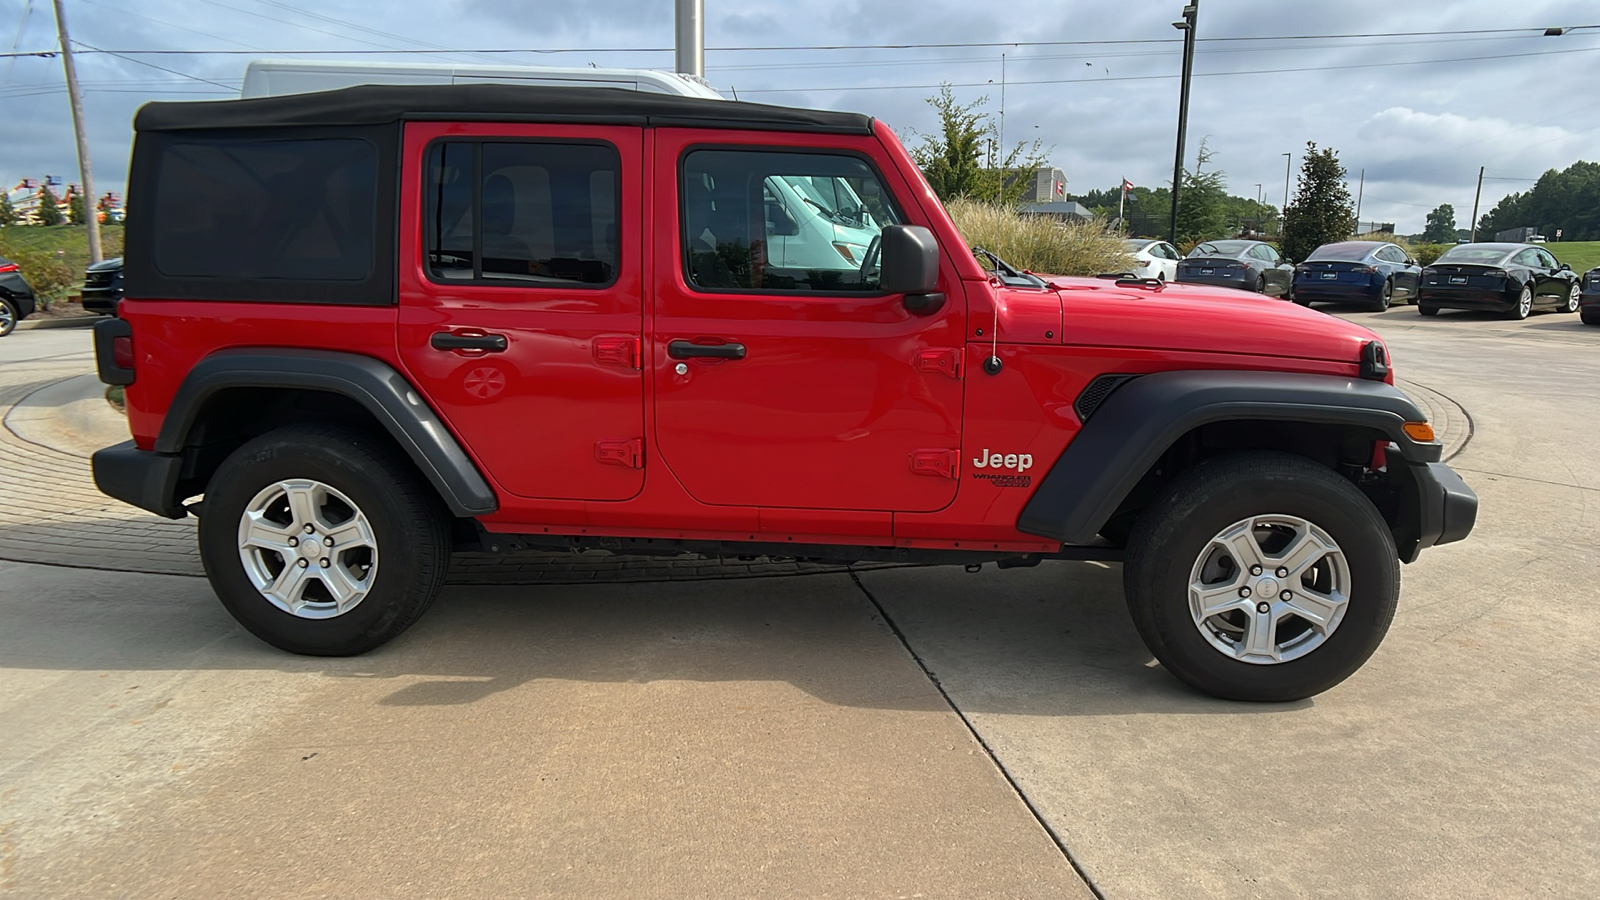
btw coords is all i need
(8, 320)
(308, 549)
(1269, 589)
(1525, 303)
(1574, 298)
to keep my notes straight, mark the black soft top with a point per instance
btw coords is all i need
(380, 104)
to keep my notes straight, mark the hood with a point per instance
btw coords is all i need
(1097, 312)
(109, 265)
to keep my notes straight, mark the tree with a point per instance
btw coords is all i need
(49, 211)
(75, 211)
(1322, 211)
(1441, 225)
(1202, 213)
(8, 213)
(952, 160)
(1568, 200)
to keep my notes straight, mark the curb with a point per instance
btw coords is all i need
(69, 322)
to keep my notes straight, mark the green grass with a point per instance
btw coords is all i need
(1580, 255)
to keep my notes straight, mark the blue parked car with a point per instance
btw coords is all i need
(1374, 273)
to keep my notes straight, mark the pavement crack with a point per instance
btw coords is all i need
(1061, 844)
(1576, 487)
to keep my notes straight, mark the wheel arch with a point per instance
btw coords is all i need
(1154, 426)
(235, 395)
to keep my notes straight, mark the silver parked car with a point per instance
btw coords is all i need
(1247, 265)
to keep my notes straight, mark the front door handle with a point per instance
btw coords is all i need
(454, 340)
(689, 350)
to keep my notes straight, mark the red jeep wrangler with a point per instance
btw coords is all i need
(375, 324)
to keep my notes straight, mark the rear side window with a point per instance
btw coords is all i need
(523, 213)
(289, 210)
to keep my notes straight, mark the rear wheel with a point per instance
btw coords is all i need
(8, 317)
(1427, 310)
(1261, 285)
(1262, 576)
(1591, 317)
(322, 541)
(1524, 304)
(1386, 297)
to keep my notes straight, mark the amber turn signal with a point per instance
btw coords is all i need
(1418, 431)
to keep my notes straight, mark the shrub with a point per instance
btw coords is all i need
(1425, 254)
(1040, 243)
(52, 279)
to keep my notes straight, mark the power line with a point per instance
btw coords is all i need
(1414, 62)
(154, 66)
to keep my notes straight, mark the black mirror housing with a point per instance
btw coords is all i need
(908, 260)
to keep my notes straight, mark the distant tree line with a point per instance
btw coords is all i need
(1568, 200)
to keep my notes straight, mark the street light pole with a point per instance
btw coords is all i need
(689, 36)
(76, 97)
(1191, 13)
(1259, 223)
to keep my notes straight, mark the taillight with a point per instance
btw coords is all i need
(122, 352)
(1364, 270)
(9, 267)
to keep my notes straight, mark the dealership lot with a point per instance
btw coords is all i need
(782, 735)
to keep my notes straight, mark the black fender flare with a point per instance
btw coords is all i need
(372, 383)
(1129, 431)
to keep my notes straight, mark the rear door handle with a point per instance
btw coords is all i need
(689, 350)
(452, 340)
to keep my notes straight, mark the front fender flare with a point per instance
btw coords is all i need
(1130, 430)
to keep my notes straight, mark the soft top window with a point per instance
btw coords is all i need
(291, 210)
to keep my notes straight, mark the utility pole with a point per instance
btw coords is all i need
(690, 17)
(1259, 222)
(1475, 198)
(1191, 14)
(76, 97)
(1359, 191)
(1288, 160)
(1001, 194)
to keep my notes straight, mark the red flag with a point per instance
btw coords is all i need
(1127, 185)
(1061, 189)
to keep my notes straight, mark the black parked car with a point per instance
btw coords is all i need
(1375, 273)
(102, 286)
(1589, 303)
(16, 296)
(1249, 265)
(1511, 279)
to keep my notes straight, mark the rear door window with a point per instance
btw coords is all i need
(523, 212)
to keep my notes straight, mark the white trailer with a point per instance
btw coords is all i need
(276, 77)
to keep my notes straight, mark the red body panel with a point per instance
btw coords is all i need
(848, 422)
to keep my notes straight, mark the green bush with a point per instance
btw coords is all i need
(1040, 243)
(1425, 254)
(51, 277)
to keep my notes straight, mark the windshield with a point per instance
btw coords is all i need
(1348, 250)
(1467, 253)
(1009, 275)
(1219, 248)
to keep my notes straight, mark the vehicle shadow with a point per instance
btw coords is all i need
(1050, 641)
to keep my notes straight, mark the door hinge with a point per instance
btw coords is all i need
(617, 351)
(937, 463)
(621, 453)
(945, 362)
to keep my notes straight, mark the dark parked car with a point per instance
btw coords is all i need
(1249, 265)
(1511, 279)
(1589, 303)
(102, 286)
(1375, 273)
(16, 296)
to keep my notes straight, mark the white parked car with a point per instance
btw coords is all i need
(1153, 259)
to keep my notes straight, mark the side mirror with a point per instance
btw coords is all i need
(1565, 268)
(909, 265)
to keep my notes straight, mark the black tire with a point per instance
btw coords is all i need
(1173, 532)
(1591, 316)
(8, 317)
(1523, 305)
(1574, 298)
(408, 523)
(1261, 285)
(1386, 296)
(1427, 310)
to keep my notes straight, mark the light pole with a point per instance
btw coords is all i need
(1259, 223)
(1283, 214)
(1190, 14)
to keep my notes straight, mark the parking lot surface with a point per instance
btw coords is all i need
(832, 734)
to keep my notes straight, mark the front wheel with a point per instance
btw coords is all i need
(1574, 299)
(8, 317)
(1262, 576)
(322, 541)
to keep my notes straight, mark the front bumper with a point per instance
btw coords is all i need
(1446, 509)
(141, 478)
(102, 300)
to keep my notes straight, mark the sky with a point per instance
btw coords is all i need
(1096, 83)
